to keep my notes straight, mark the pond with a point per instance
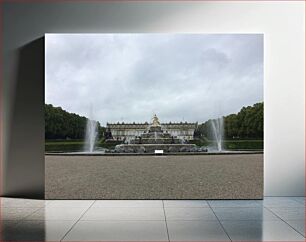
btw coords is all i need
(77, 145)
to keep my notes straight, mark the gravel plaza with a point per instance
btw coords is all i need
(154, 177)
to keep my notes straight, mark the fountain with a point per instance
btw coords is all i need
(217, 129)
(91, 133)
(155, 139)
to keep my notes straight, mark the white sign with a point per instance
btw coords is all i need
(159, 152)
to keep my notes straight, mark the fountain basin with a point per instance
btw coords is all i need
(150, 148)
(101, 153)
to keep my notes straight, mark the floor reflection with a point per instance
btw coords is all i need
(274, 219)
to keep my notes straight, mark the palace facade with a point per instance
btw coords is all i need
(128, 131)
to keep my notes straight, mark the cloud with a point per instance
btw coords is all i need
(128, 77)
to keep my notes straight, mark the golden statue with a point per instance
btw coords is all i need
(155, 121)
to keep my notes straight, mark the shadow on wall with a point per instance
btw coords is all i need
(26, 121)
(26, 230)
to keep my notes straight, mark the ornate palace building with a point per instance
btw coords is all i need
(128, 131)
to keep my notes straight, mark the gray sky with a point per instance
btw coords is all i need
(128, 77)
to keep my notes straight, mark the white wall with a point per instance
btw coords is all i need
(282, 23)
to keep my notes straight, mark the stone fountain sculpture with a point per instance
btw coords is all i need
(155, 139)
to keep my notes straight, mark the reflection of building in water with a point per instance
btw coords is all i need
(128, 131)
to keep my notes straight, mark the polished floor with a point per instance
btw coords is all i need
(273, 219)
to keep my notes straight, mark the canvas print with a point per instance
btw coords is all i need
(154, 116)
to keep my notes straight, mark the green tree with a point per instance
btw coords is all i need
(60, 124)
(246, 124)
